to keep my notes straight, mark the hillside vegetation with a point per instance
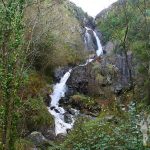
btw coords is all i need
(57, 36)
(127, 23)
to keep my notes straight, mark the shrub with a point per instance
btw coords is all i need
(22, 144)
(104, 133)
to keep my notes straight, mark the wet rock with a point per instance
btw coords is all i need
(89, 22)
(70, 91)
(68, 118)
(64, 100)
(68, 130)
(59, 72)
(57, 111)
(78, 80)
(90, 41)
(53, 107)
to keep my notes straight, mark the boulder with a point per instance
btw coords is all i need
(67, 117)
(57, 111)
(37, 138)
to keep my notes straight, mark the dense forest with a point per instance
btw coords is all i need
(72, 82)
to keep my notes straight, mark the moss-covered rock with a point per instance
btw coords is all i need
(37, 116)
(94, 79)
(84, 103)
(35, 85)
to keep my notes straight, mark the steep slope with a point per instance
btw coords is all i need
(57, 33)
(125, 30)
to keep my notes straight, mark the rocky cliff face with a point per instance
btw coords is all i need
(102, 78)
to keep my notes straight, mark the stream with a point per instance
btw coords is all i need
(59, 90)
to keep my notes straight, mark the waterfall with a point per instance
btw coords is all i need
(87, 37)
(58, 112)
(99, 51)
(59, 90)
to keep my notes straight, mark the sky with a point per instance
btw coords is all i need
(93, 7)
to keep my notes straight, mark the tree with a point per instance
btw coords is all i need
(12, 63)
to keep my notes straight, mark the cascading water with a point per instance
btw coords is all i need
(59, 91)
(87, 38)
(55, 110)
(99, 51)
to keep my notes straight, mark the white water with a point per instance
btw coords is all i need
(59, 89)
(87, 61)
(87, 37)
(99, 51)
(59, 92)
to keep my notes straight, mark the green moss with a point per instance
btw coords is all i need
(36, 85)
(37, 115)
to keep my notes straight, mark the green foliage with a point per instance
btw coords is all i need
(22, 144)
(52, 54)
(12, 60)
(106, 132)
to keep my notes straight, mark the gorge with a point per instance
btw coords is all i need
(69, 81)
